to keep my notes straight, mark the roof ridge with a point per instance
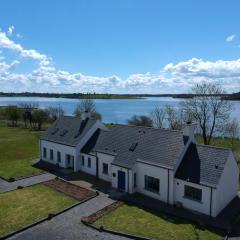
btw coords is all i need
(210, 146)
(153, 128)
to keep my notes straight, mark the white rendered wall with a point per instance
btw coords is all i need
(108, 159)
(227, 188)
(90, 170)
(198, 206)
(63, 149)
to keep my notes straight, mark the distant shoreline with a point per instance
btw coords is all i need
(234, 96)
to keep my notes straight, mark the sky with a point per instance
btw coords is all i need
(113, 46)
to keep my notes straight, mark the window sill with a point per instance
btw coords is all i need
(105, 174)
(193, 199)
(152, 191)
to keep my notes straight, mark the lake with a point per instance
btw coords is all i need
(112, 110)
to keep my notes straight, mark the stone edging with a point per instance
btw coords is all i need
(102, 229)
(89, 220)
(49, 217)
(10, 180)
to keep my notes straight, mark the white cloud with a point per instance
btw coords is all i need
(172, 78)
(230, 38)
(7, 43)
(10, 30)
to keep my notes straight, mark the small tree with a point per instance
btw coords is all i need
(208, 109)
(173, 117)
(140, 121)
(232, 130)
(13, 114)
(26, 112)
(39, 117)
(55, 112)
(158, 115)
(87, 105)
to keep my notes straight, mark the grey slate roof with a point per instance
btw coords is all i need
(68, 130)
(203, 164)
(156, 146)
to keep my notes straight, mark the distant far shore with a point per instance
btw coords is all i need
(233, 96)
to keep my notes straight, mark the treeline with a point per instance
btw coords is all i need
(234, 96)
(29, 115)
(70, 95)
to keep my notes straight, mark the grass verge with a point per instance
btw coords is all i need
(133, 220)
(24, 206)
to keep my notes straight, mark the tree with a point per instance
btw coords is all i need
(87, 105)
(140, 121)
(173, 117)
(13, 114)
(55, 112)
(232, 130)
(208, 109)
(39, 117)
(158, 115)
(26, 112)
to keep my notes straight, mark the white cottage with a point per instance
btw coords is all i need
(163, 164)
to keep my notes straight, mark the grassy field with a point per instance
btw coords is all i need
(133, 220)
(17, 148)
(24, 206)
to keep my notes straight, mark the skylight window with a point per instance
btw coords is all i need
(133, 146)
(54, 130)
(63, 132)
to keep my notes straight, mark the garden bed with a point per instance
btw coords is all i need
(70, 189)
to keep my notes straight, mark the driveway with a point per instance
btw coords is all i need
(68, 225)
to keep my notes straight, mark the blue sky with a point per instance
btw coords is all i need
(118, 46)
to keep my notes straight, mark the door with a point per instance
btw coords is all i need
(121, 181)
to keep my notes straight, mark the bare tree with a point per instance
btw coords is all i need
(232, 130)
(26, 112)
(208, 108)
(140, 121)
(39, 117)
(87, 105)
(158, 115)
(13, 114)
(55, 112)
(173, 117)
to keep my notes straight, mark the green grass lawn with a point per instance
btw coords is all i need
(133, 220)
(17, 148)
(24, 206)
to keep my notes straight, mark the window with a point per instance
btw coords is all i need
(89, 162)
(105, 168)
(59, 156)
(135, 180)
(83, 160)
(193, 193)
(51, 154)
(44, 152)
(151, 184)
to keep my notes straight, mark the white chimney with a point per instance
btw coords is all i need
(85, 115)
(189, 129)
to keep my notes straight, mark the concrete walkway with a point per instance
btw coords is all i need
(68, 225)
(8, 186)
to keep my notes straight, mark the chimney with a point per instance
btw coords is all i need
(188, 131)
(85, 115)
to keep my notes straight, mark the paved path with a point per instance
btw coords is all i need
(68, 225)
(7, 186)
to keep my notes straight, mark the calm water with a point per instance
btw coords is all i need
(113, 111)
